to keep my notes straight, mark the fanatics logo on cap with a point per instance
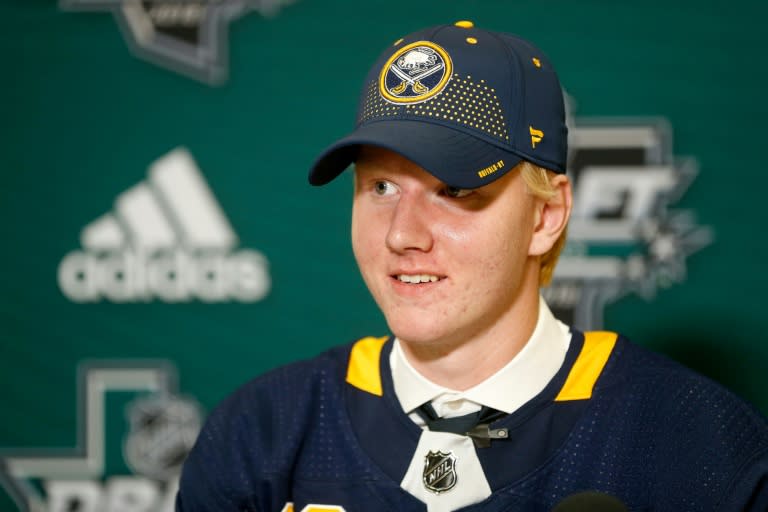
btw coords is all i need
(415, 73)
(440, 471)
(536, 136)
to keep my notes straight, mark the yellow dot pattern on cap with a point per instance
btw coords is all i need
(471, 40)
(376, 106)
(536, 62)
(464, 24)
(470, 103)
(464, 100)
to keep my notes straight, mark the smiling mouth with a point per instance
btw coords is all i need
(417, 278)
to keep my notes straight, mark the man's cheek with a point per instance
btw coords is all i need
(455, 234)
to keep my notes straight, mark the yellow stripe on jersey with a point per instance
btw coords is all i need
(598, 345)
(313, 508)
(363, 370)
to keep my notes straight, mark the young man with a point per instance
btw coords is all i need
(480, 399)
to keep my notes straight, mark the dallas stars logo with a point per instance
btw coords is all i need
(187, 36)
(162, 428)
(623, 237)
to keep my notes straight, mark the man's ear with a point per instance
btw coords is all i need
(551, 216)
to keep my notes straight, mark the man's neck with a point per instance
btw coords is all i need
(463, 363)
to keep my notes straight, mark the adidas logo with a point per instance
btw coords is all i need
(167, 239)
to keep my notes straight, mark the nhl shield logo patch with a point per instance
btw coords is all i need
(415, 72)
(439, 471)
(162, 432)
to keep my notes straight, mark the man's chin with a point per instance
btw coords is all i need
(420, 334)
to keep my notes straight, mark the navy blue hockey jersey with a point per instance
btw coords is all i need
(329, 435)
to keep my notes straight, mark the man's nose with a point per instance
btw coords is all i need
(410, 226)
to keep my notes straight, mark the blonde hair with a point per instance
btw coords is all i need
(539, 183)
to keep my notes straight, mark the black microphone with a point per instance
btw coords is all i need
(590, 501)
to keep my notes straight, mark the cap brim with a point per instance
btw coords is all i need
(455, 158)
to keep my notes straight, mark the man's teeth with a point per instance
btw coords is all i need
(418, 278)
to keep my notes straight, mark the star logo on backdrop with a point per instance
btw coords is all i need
(624, 236)
(160, 430)
(186, 36)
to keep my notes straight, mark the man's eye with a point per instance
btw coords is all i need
(456, 192)
(383, 188)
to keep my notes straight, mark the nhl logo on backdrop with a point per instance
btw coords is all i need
(414, 73)
(439, 471)
(162, 430)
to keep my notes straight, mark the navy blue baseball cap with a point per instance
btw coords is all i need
(465, 104)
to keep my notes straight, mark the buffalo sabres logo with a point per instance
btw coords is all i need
(439, 471)
(415, 72)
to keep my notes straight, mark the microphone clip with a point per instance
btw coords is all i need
(482, 434)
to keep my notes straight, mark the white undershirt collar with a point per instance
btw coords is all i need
(522, 378)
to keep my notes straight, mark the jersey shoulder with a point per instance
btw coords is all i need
(691, 428)
(249, 446)
(681, 399)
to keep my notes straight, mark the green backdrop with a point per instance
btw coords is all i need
(83, 118)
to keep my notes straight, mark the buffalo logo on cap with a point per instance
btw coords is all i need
(414, 73)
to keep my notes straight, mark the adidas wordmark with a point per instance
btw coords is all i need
(166, 239)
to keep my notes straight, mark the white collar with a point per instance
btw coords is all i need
(522, 378)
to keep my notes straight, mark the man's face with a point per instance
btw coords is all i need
(443, 264)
